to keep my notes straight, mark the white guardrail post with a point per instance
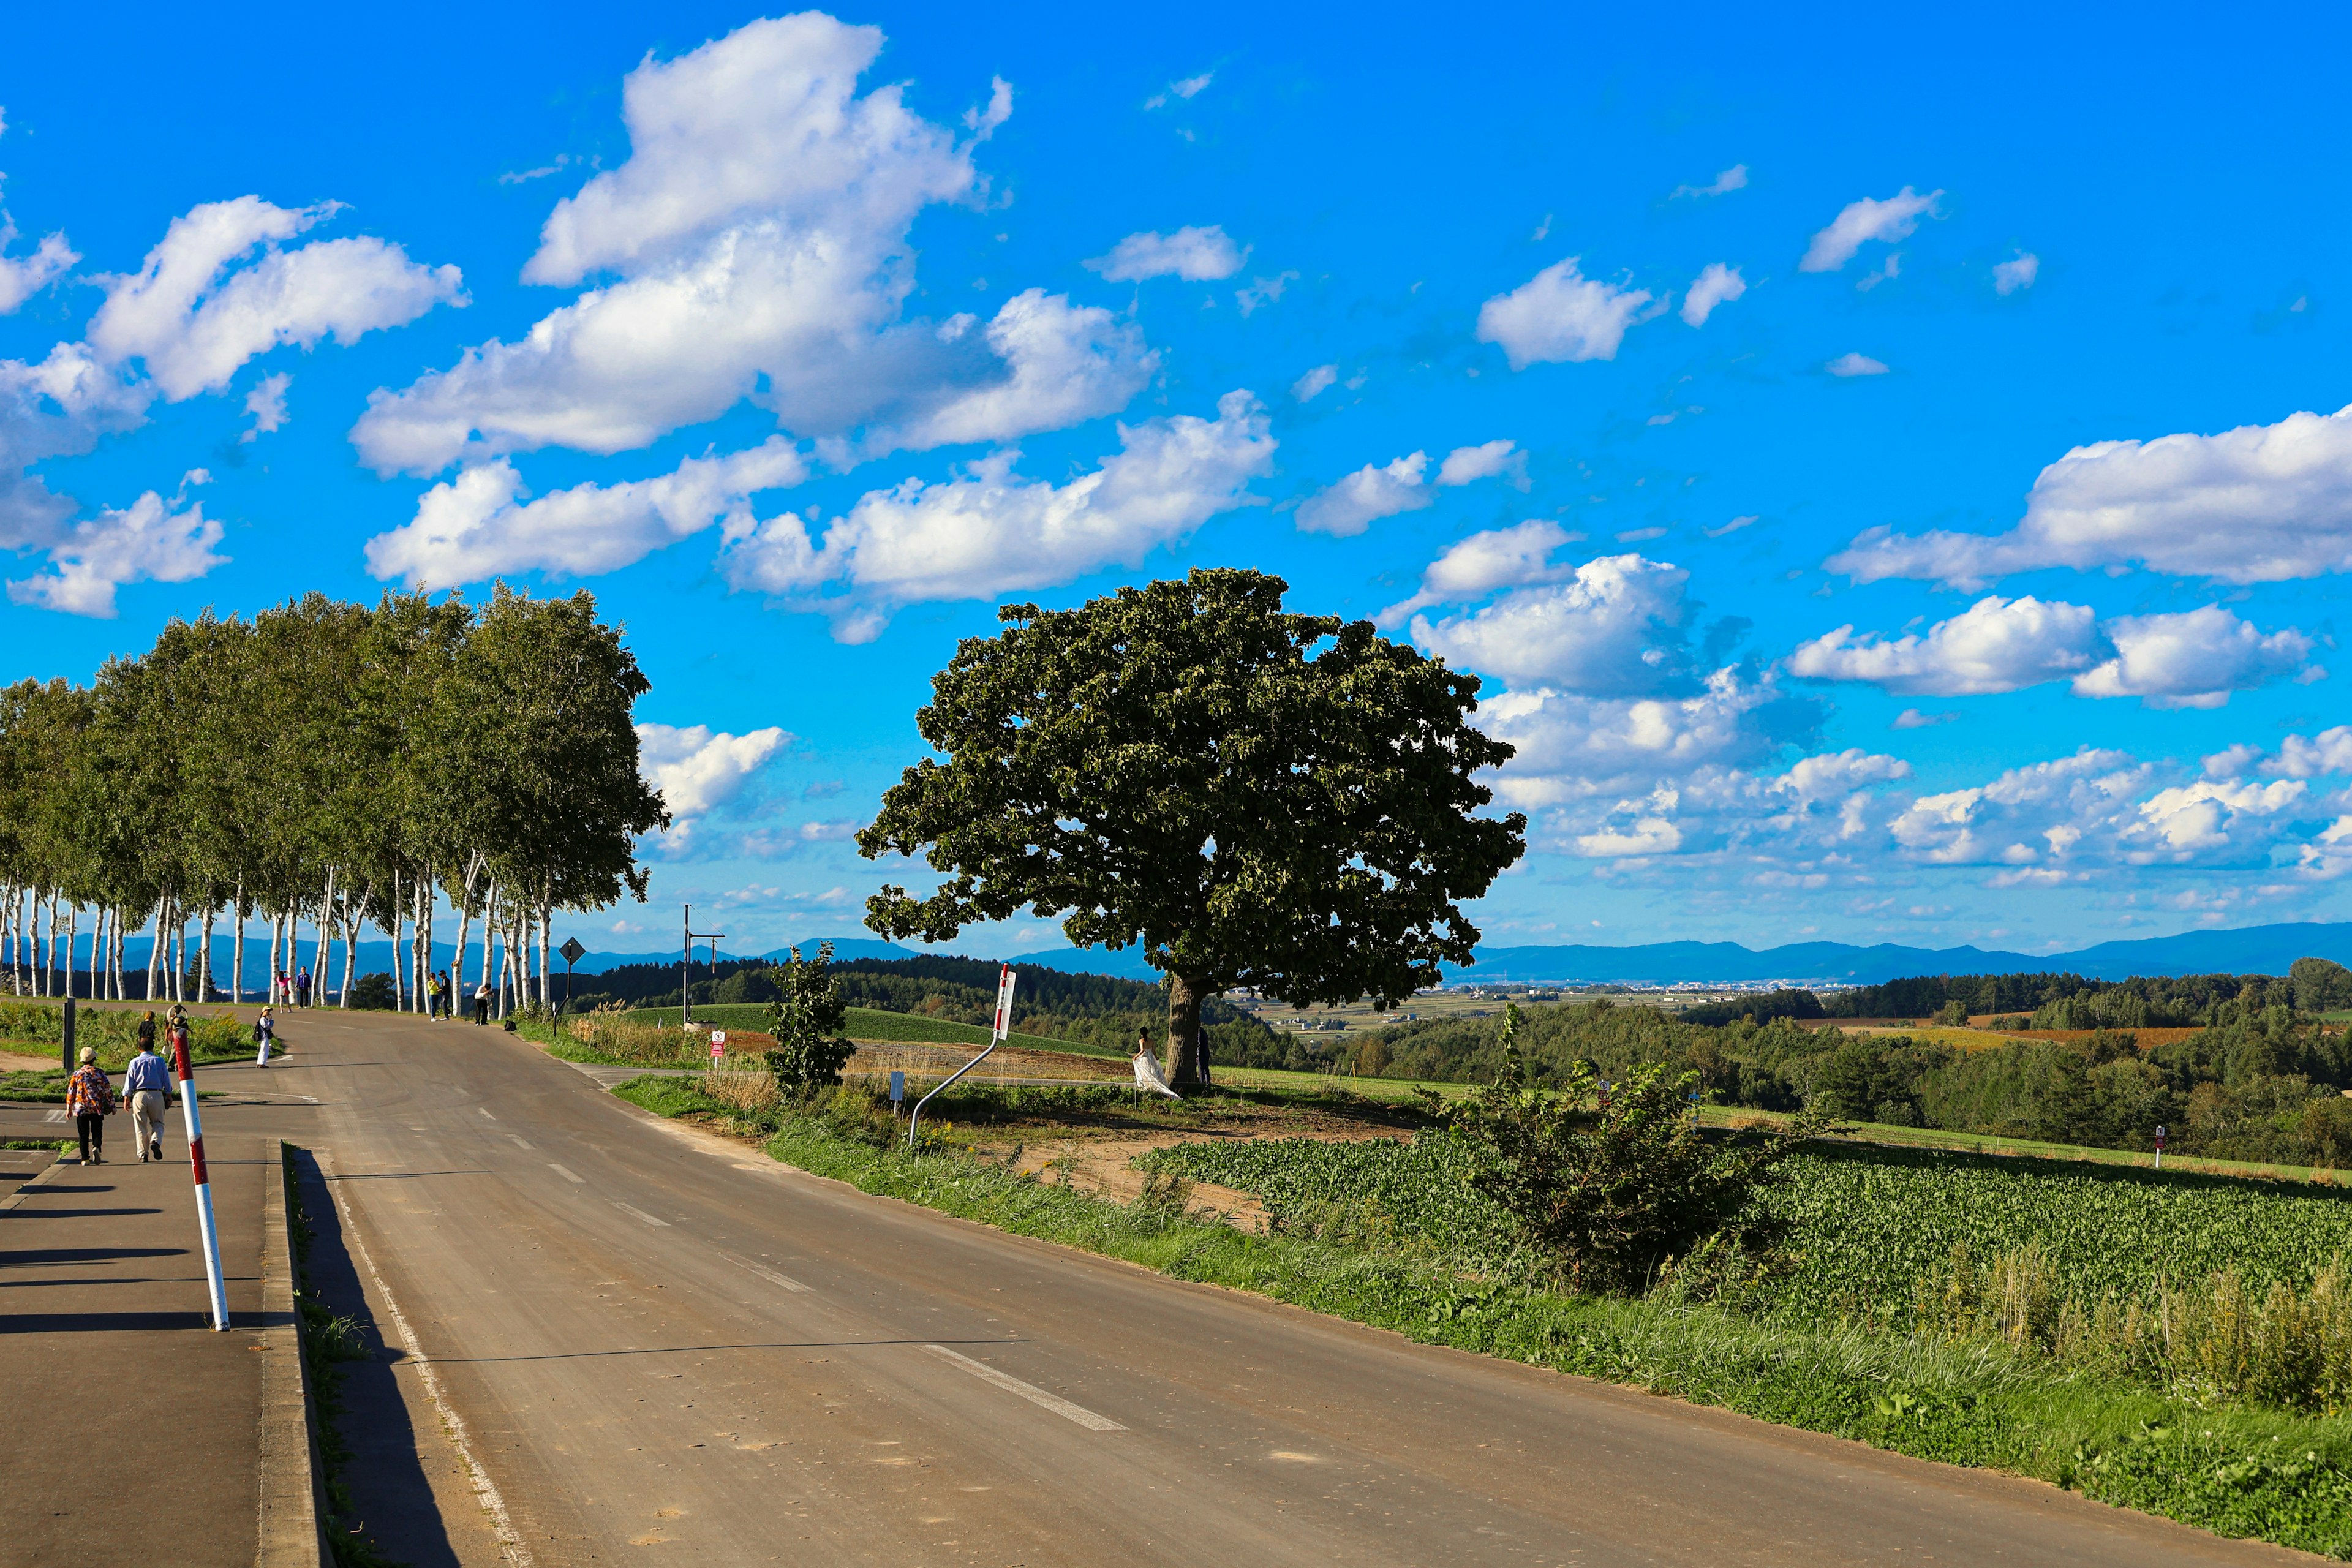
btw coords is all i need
(1004, 983)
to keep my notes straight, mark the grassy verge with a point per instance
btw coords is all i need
(2278, 1477)
(328, 1342)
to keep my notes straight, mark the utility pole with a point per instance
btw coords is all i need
(685, 967)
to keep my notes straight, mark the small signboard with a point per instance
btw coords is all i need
(571, 951)
(718, 1044)
(898, 1089)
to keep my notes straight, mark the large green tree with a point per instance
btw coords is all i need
(1259, 798)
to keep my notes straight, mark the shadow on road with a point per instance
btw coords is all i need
(383, 1477)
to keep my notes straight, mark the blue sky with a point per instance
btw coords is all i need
(1888, 472)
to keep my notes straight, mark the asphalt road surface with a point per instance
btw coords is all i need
(636, 1338)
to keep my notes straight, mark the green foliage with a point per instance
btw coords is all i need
(1613, 1186)
(2321, 986)
(806, 1019)
(372, 993)
(1255, 797)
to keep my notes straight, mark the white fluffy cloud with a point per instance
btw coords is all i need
(1195, 255)
(1716, 284)
(1560, 315)
(754, 245)
(1377, 491)
(989, 532)
(219, 290)
(1735, 178)
(698, 768)
(22, 277)
(2193, 659)
(478, 525)
(2262, 503)
(2298, 757)
(1478, 565)
(1308, 386)
(151, 540)
(1573, 747)
(1996, 645)
(1848, 364)
(701, 771)
(2018, 272)
(198, 309)
(1613, 629)
(2190, 659)
(1861, 222)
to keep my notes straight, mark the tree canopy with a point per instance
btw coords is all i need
(330, 763)
(1258, 797)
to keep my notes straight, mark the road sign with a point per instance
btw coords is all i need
(718, 1044)
(571, 951)
(897, 1089)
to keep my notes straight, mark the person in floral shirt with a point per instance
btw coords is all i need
(89, 1100)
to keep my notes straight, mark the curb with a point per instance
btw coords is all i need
(30, 1183)
(293, 1515)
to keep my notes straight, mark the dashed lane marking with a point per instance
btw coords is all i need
(770, 1275)
(567, 1176)
(638, 1212)
(485, 1110)
(1028, 1391)
(519, 1142)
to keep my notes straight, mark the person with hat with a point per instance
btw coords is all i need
(89, 1100)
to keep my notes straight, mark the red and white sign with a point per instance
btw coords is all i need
(718, 1044)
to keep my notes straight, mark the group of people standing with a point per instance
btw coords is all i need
(146, 1092)
(441, 997)
(292, 990)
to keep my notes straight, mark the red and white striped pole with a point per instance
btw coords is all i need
(204, 1184)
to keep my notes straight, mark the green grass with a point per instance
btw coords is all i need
(873, 1024)
(2278, 1477)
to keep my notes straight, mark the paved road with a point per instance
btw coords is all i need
(647, 1338)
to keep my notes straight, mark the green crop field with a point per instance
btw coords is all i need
(1869, 1222)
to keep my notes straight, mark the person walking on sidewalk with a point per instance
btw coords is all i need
(147, 1090)
(431, 996)
(265, 1034)
(482, 1001)
(89, 1100)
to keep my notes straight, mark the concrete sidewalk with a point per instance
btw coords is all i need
(137, 1432)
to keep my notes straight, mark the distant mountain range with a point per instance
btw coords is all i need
(2249, 950)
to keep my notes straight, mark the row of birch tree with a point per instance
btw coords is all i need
(322, 771)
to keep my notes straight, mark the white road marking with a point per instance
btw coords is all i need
(566, 1175)
(53, 1116)
(1030, 1392)
(639, 1214)
(519, 1142)
(485, 1110)
(770, 1275)
(485, 1490)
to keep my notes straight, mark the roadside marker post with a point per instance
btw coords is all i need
(204, 1183)
(1005, 980)
(898, 1091)
(2160, 1146)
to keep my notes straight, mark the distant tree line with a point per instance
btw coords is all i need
(327, 763)
(2045, 1001)
(1089, 1009)
(2262, 1079)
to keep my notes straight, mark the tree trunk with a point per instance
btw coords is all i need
(320, 952)
(1184, 996)
(489, 925)
(204, 959)
(237, 959)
